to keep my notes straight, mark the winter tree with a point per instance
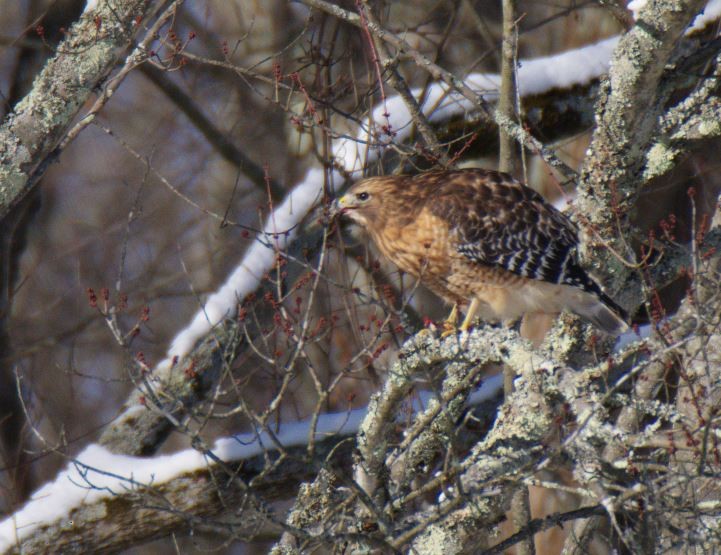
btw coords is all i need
(195, 356)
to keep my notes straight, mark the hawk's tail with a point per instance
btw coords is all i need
(600, 310)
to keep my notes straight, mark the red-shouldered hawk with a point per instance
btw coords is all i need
(481, 239)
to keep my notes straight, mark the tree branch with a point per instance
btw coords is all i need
(30, 134)
(507, 93)
(213, 134)
(627, 122)
(219, 499)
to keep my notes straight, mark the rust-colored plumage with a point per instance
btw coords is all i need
(482, 240)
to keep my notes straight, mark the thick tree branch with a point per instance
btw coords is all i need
(507, 93)
(31, 133)
(224, 500)
(627, 122)
(693, 121)
(520, 508)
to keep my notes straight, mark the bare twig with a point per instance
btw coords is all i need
(215, 136)
(507, 94)
(403, 90)
(456, 83)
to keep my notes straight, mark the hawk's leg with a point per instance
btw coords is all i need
(449, 324)
(470, 314)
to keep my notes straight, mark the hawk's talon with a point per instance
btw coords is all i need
(449, 324)
(470, 315)
(448, 330)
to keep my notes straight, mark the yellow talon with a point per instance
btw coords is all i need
(448, 332)
(449, 324)
(470, 315)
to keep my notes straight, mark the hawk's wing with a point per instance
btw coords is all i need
(497, 221)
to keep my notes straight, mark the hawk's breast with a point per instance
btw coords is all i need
(426, 248)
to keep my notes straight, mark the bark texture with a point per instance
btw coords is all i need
(31, 133)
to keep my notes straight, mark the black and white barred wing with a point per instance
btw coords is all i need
(496, 221)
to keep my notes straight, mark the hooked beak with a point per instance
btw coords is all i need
(338, 207)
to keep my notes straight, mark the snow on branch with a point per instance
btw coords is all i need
(96, 473)
(388, 123)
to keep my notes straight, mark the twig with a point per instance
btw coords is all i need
(404, 91)
(136, 57)
(440, 74)
(210, 131)
(506, 100)
(540, 524)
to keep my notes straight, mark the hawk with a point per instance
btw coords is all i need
(483, 242)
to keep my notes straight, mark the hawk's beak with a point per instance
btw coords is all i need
(337, 207)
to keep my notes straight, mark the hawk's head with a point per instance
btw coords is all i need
(364, 201)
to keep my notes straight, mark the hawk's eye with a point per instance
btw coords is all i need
(362, 196)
